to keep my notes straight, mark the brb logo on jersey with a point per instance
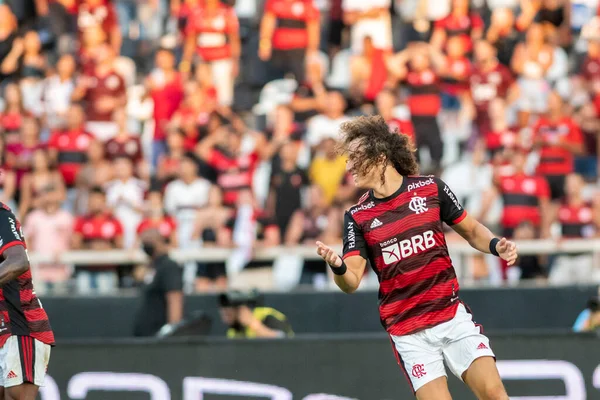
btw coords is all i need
(418, 204)
(406, 248)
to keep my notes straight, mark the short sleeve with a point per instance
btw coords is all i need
(354, 241)
(575, 135)
(78, 225)
(10, 230)
(451, 211)
(172, 279)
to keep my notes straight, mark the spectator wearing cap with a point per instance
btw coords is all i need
(125, 197)
(368, 18)
(49, 231)
(165, 86)
(58, 89)
(97, 230)
(42, 175)
(213, 32)
(576, 219)
(289, 35)
(103, 90)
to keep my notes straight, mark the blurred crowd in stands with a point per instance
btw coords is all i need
(215, 122)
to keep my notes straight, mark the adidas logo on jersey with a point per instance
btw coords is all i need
(482, 346)
(376, 223)
(11, 375)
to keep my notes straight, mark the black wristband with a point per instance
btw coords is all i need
(493, 244)
(339, 270)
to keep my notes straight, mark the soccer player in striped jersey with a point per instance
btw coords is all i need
(397, 227)
(25, 332)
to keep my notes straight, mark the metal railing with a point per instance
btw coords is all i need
(211, 254)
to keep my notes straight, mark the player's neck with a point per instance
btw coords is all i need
(393, 181)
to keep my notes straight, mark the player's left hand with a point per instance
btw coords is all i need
(507, 251)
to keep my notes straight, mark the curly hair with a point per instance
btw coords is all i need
(377, 142)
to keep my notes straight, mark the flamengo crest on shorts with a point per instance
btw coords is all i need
(402, 237)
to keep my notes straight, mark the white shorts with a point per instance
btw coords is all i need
(23, 359)
(458, 342)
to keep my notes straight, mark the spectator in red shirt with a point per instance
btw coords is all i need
(165, 86)
(576, 218)
(124, 144)
(455, 74)
(489, 80)
(524, 198)
(461, 22)
(103, 90)
(418, 67)
(156, 218)
(213, 31)
(100, 13)
(385, 103)
(559, 139)
(97, 230)
(13, 113)
(19, 156)
(500, 135)
(289, 31)
(68, 148)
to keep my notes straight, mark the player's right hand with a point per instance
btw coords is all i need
(327, 254)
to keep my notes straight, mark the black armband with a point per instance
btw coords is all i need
(339, 270)
(493, 244)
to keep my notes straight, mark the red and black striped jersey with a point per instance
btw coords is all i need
(402, 237)
(21, 312)
(576, 220)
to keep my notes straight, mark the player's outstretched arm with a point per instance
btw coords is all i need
(354, 265)
(14, 265)
(480, 238)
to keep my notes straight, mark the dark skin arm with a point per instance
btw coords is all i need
(15, 264)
